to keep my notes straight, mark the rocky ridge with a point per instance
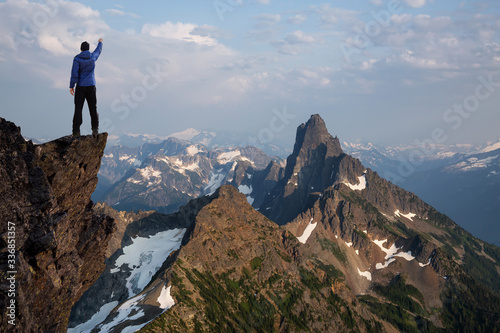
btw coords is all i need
(59, 241)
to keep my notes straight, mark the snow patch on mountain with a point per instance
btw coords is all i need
(473, 163)
(165, 299)
(388, 252)
(124, 313)
(179, 166)
(215, 180)
(366, 274)
(428, 263)
(391, 253)
(228, 156)
(97, 318)
(409, 216)
(192, 150)
(247, 191)
(492, 147)
(187, 134)
(307, 232)
(145, 256)
(359, 187)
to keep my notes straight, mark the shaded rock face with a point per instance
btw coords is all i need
(255, 183)
(59, 241)
(316, 163)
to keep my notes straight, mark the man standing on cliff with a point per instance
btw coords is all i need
(82, 74)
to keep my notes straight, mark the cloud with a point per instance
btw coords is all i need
(297, 19)
(415, 3)
(299, 37)
(331, 16)
(266, 19)
(56, 27)
(186, 32)
(264, 2)
(295, 42)
(118, 12)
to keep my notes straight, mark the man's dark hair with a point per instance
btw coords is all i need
(85, 46)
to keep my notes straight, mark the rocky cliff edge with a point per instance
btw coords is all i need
(52, 244)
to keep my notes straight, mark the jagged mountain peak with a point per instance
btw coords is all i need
(314, 133)
(317, 162)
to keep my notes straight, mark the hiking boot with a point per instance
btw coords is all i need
(76, 134)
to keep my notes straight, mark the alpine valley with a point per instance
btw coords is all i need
(212, 239)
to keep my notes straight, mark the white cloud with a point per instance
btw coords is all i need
(178, 31)
(118, 12)
(367, 65)
(115, 12)
(424, 62)
(332, 16)
(56, 27)
(297, 19)
(295, 42)
(264, 2)
(415, 3)
(299, 37)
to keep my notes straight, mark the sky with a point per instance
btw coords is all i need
(388, 72)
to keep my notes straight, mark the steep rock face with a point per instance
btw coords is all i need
(255, 183)
(59, 241)
(316, 163)
(122, 221)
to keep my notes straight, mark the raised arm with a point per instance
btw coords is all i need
(98, 49)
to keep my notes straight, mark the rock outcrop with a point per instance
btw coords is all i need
(49, 227)
(316, 163)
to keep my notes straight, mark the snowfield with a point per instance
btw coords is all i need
(367, 274)
(216, 178)
(307, 232)
(247, 191)
(359, 187)
(409, 216)
(145, 256)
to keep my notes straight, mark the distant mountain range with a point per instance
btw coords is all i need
(462, 181)
(469, 194)
(329, 245)
(163, 176)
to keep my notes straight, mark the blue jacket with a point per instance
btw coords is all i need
(82, 73)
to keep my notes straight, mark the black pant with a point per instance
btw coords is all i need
(82, 94)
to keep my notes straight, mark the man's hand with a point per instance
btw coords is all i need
(100, 40)
(72, 91)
